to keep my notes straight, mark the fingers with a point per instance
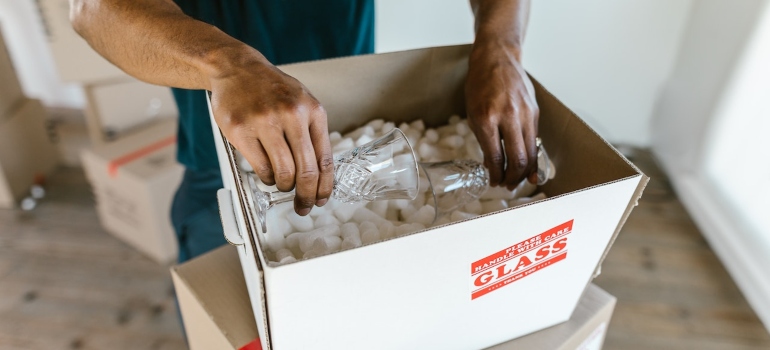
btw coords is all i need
(319, 135)
(256, 156)
(279, 154)
(489, 138)
(517, 160)
(306, 165)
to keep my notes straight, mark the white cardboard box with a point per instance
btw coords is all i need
(75, 60)
(26, 153)
(134, 181)
(11, 94)
(217, 313)
(466, 285)
(116, 109)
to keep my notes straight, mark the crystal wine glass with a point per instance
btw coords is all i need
(455, 183)
(384, 168)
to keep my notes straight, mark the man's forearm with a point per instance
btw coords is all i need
(501, 21)
(153, 40)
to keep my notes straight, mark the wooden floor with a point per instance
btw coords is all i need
(66, 284)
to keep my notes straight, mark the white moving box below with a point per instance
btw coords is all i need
(217, 314)
(11, 94)
(466, 285)
(134, 181)
(119, 108)
(26, 153)
(75, 60)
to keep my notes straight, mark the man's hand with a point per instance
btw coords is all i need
(500, 98)
(278, 126)
(269, 116)
(501, 106)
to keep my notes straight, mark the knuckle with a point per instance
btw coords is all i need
(308, 174)
(326, 164)
(284, 175)
(496, 158)
(520, 162)
(264, 171)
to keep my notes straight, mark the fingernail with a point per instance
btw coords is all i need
(322, 202)
(303, 211)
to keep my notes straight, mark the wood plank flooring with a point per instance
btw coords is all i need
(673, 292)
(66, 284)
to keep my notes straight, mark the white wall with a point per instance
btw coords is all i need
(709, 131)
(25, 36)
(606, 59)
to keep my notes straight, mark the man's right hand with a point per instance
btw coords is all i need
(278, 126)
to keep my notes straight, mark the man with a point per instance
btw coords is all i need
(230, 47)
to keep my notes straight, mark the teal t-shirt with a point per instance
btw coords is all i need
(285, 31)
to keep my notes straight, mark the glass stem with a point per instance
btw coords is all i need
(278, 197)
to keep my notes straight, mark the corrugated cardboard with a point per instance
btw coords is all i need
(217, 314)
(26, 153)
(134, 181)
(75, 60)
(422, 290)
(116, 109)
(11, 94)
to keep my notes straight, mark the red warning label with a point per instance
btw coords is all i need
(519, 260)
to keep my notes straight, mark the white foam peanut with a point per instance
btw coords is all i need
(344, 145)
(364, 214)
(364, 139)
(366, 226)
(459, 216)
(326, 220)
(462, 129)
(370, 236)
(281, 254)
(376, 124)
(474, 207)
(498, 193)
(345, 211)
(351, 242)
(379, 207)
(327, 244)
(287, 260)
(399, 203)
(454, 119)
(387, 230)
(452, 141)
(334, 137)
(300, 223)
(431, 136)
(524, 189)
(417, 125)
(348, 230)
(388, 127)
(425, 215)
(275, 240)
(317, 212)
(404, 127)
(306, 241)
(494, 205)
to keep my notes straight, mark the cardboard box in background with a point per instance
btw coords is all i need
(11, 94)
(134, 181)
(468, 278)
(217, 314)
(75, 60)
(119, 108)
(26, 153)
